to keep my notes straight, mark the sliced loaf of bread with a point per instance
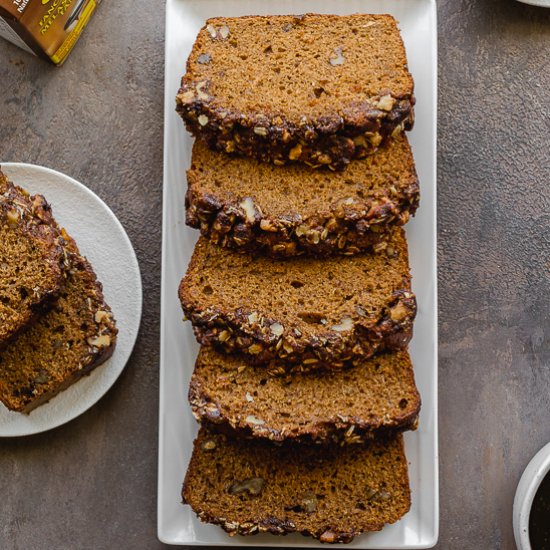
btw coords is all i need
(300, 313)
(319, 89)
(74, 337)
(32, 259)
(290, 210)
(338, 405)
(330, 493)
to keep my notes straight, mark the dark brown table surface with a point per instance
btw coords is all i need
(92, 483)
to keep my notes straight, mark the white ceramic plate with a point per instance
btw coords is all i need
(102, 239)
(177, 524)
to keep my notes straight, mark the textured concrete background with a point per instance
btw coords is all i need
(92, 484)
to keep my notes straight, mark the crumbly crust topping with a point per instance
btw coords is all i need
(347, 227)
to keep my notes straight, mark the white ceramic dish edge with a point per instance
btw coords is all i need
(539, 3)
(168, 514)
(122, 287)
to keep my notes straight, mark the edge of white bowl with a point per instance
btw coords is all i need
(526, 490)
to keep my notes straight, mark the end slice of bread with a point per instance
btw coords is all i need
(331, 493)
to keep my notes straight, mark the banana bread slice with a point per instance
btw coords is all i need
(74, 337)
(320, 89)
(331, 493)
(377, 396)
(283, 211)
(307, 312)
(31, 258)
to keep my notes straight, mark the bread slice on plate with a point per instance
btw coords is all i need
(319, 89)
(330, 493)
(337, 405)
(300, 313)
(74, 337)
(281, 211)
(32, 260)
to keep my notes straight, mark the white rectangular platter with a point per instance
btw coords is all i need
(177, 524)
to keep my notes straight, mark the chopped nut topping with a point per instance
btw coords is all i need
(13, 217)
(254, 349)
(249, 398)
(200, 91)
(360, 311)
(248, 206)
(378, 247)
(260, 131)
(376, 140)
(204, 58)
(266, 225)
(251, 419)
(337, 57)
(287, 347)
(209, 445)
(42, 379)
(370, 493)
(277, 329)
(328, 536)
(252, 486)
(295, 152)
(309, 502)
(212, 410)
(224, 32)
(253, 318)
(301, 230)
(398, 130)
(360, 141)
(386, 103)
(224, 335)
(102, 341)
(344, 325)
(399, 312)
(203, 120)
(101, 316)
(314, 236)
